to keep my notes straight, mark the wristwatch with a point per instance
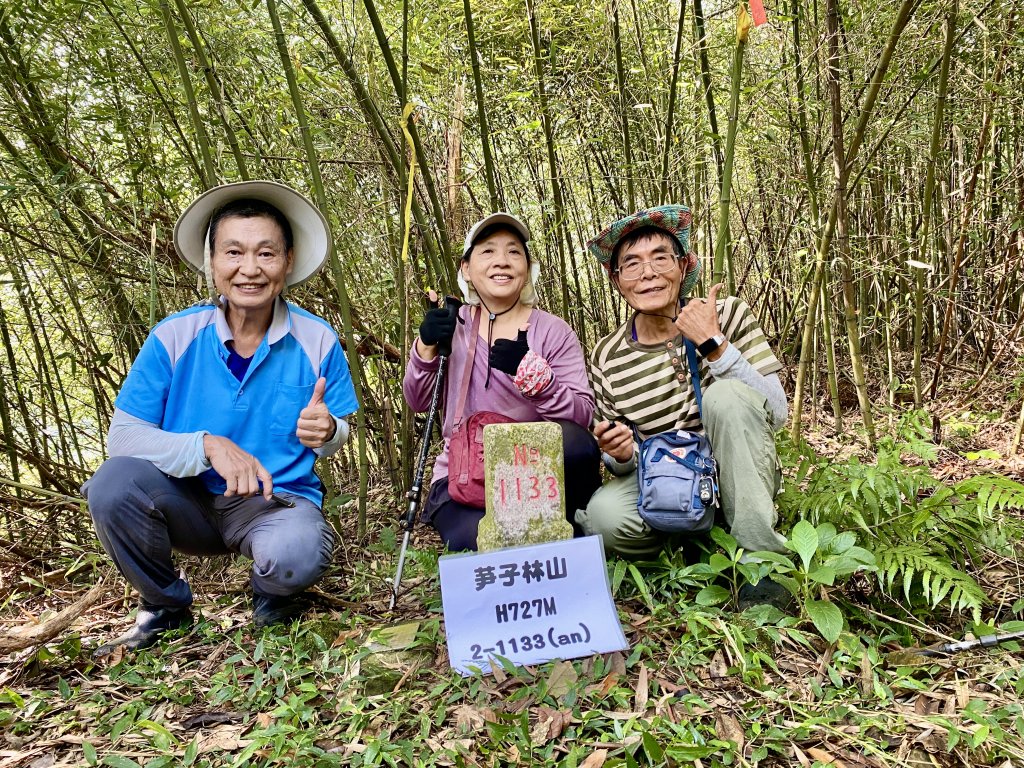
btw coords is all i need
(705, 348)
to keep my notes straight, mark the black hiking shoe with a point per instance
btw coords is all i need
(764, 592)
(274, 609)
(150, 623)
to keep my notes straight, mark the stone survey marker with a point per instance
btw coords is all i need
(524, 481)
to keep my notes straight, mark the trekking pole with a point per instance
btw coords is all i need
(444, 349)
(985, 641)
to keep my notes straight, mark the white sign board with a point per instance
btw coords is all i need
(528, 604)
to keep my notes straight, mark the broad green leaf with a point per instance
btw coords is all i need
(804, 541)
(843, 541)
(792, 585)
(90, 752)
(826, 532)
(822, 574)
(844, 566)
(719, 562)
(861, 555)
(712, 595)
(774, 557)
(724, 540)
(827, 618)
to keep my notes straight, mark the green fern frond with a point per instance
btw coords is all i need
(924, 574)
(994, 493)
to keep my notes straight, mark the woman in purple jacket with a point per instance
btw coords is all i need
(529, 367)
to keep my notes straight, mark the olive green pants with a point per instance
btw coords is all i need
(737, 424)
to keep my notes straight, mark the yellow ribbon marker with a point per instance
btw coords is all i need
(742, 24)
(406, 115)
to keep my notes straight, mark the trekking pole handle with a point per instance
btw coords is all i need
(452, 304)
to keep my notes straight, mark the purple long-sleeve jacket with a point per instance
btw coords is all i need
(568, 396)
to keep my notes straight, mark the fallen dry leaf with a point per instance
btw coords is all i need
(563, 676)
(556, 720)
(801, 757)
(469, 719)
(225, 738)
(718, 667)
(866, 682)
(616, 663)
(497, 671)
(825, 757)
(595, 759)
(642, 690)
(729, 729)
(264, 719)
(345, 635)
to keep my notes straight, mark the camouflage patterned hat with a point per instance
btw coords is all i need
(673, 219)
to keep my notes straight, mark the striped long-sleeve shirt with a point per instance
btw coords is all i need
(649, 384)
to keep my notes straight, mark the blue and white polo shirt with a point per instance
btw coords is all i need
(181, 382)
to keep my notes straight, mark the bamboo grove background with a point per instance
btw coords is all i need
(855, 171)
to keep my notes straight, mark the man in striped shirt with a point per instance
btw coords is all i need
(640, 377)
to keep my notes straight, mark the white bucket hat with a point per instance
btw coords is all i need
(310, 232)
(528, 296)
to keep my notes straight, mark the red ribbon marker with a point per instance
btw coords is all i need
(757, 12)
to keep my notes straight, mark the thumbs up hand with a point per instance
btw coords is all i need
(506, 354)
(316, 426)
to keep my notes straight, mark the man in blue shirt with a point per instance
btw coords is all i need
(223, 415)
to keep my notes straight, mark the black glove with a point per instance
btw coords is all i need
(506, 355)
(438, 326)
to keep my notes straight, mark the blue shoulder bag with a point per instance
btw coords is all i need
(677, 474)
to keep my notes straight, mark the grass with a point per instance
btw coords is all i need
(700, 685)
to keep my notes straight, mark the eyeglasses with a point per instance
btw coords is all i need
(634, 270)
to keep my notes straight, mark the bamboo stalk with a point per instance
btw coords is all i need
(216, 92)
(481, 111)
(825, 238)
(554, 179)
(722, 251)
(705, 80)
(351, 349)
(421, 157)
(438, 262)
(620, 82)
(850, 310)
(969, 196)
(671, 113)
(935, 146)
(830, 357)
(209, 175)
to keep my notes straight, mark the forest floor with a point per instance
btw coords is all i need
(700, 685)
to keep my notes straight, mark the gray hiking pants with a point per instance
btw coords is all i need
(737, 424)
(141, 515)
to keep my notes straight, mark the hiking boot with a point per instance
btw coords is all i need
(274, 609)
(764, 592)
(150, 623)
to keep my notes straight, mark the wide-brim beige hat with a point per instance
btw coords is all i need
(310, 233)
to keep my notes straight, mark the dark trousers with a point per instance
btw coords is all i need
(141, 515)
(457, 523)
